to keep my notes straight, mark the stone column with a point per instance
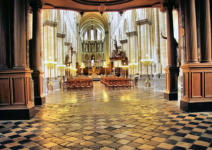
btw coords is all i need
(143, 48)
(144, 40)
(136, 49)
(205, 31)
(107, 59)
(55, 45)
(63, 51)
(191, 31)
(172, 70)
(37, 74)
(139, 49)
(157, 37)
(129, 52)
(79, 46)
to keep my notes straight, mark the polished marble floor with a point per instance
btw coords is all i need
(108, 119)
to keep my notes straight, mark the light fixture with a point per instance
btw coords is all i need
(61, 66)
(147, 61)
(82, 66)
(105, 65)
(133, 64)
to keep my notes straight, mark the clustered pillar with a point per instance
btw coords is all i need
(197, 71)
(15, 74)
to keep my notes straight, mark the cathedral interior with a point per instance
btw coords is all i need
(106, 74)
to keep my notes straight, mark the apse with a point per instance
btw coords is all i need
(92, 38)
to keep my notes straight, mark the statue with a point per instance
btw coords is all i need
(92, 61)
(72, 52)
(67, 60)
(116, 52)
(119, 54)
(116, 45)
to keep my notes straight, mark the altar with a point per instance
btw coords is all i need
(94, 72)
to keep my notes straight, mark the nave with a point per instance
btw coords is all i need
(53, 52)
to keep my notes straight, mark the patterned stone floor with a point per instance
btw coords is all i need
(107, 119)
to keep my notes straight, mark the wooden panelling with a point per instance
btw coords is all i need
(196, 84)
(18, 91)
(28, 90)
(185, 84)
(208, 84)
(4, 91)
(197, 79)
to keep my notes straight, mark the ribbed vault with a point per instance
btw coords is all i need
(95, 21)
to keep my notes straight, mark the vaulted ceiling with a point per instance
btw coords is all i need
(100, 5)
(93, 20)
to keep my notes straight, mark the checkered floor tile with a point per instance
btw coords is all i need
(109, 119)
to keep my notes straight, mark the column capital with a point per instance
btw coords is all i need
(67, 43)
(132, 33)
(123, 41)
(143, 21)
(61, 35)
(50, 23)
